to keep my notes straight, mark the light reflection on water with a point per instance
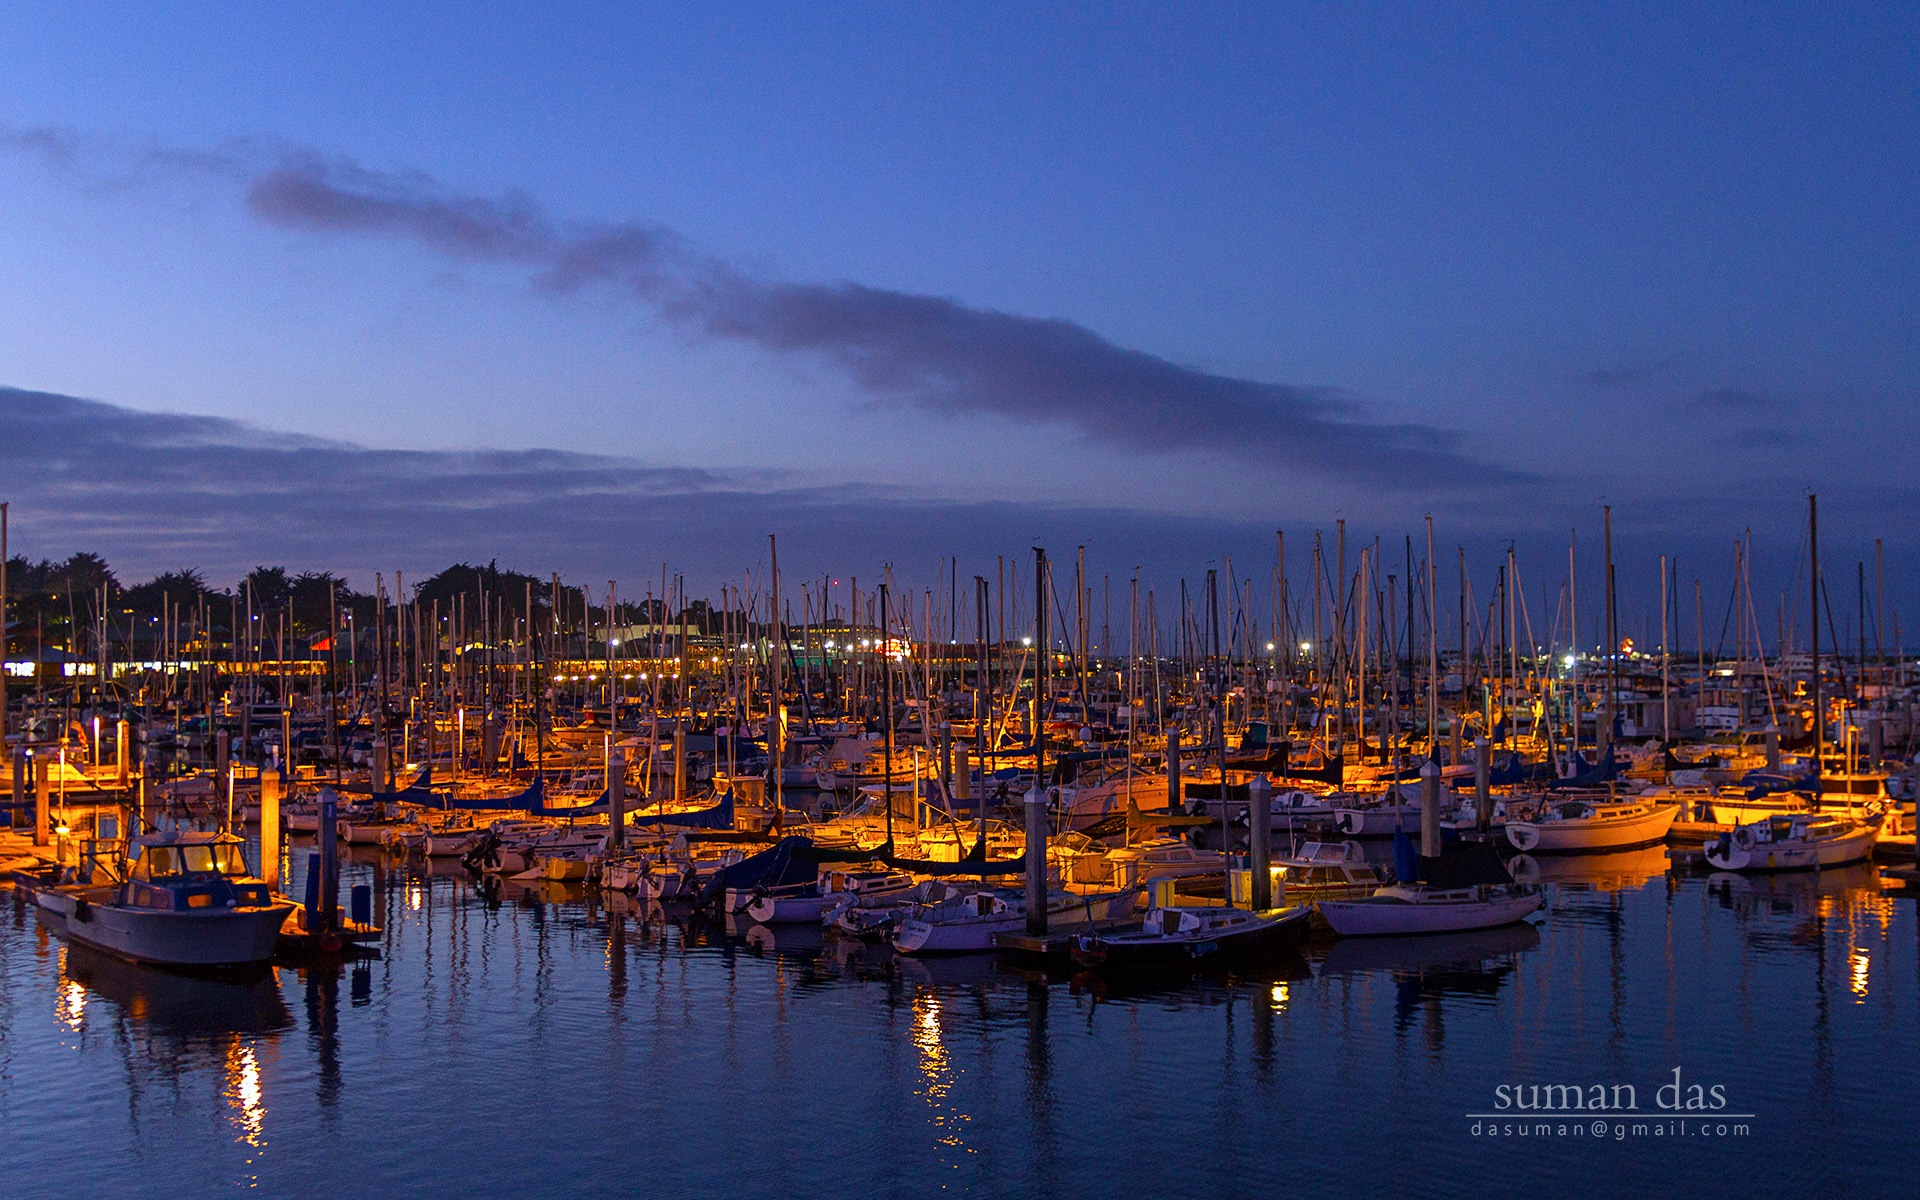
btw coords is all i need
(528, 1038)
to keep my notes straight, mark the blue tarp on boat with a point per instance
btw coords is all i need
(1766, 783)
(528, 797)
(1585, 776)
(718, 816)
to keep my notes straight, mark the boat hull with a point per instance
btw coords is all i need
(1853, 847)
(1590, 836)
(201, 938)
(1377, 918)
(975, 935)
(1139, 952)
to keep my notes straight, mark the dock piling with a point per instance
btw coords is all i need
(1430, 809)
(270, 827)
(1037, 861)
(616, 799)
(1259, 839)
(42, 779)
(327, 912)
(1482, 782)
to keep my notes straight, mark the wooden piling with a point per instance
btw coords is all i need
(1259, 840)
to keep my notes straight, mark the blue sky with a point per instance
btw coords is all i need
(1658, 255)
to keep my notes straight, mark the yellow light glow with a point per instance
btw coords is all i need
(244, 1094)
(1280, 995)
(70, 1005)
(1858, 964)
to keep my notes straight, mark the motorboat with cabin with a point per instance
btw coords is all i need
(188, 900)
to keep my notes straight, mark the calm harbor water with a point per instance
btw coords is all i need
(512, 1039)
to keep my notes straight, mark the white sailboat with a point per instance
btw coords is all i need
(1593, 826)
(1794, 842)
(1417, 908)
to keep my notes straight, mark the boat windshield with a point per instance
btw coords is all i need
(223, 858)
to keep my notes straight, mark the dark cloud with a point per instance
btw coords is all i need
(154, 491)
(157, 491)
(928, 353)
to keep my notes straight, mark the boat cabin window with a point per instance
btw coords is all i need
(223, 858)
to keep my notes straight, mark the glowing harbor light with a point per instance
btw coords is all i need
(1026, 641)
(1269, 647)
(1306, 647)
(1567, 662)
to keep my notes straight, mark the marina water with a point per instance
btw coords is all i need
(534, 1040)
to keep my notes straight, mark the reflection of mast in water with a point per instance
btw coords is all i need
(323, 1030)
(1040, 1088)
(1263, 1006)
(1823, 1089)
(617, 964)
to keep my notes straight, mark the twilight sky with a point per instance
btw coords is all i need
(906, 280)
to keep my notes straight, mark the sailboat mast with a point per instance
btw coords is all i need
(1813, 601)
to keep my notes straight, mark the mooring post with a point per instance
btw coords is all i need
(122, 756)
(616, 799)
(1173, 770)
(946, 764)
(1482, 784)
(1259, 839)
(222, 771)
(1773, 749)
(1430, 809)
(963, 782)
(41, 779)
(1037, 860)
(270, 827)
(328, 893)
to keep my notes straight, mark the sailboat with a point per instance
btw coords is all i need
(1794, 842)
(1466, 888)
(1593, 826)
